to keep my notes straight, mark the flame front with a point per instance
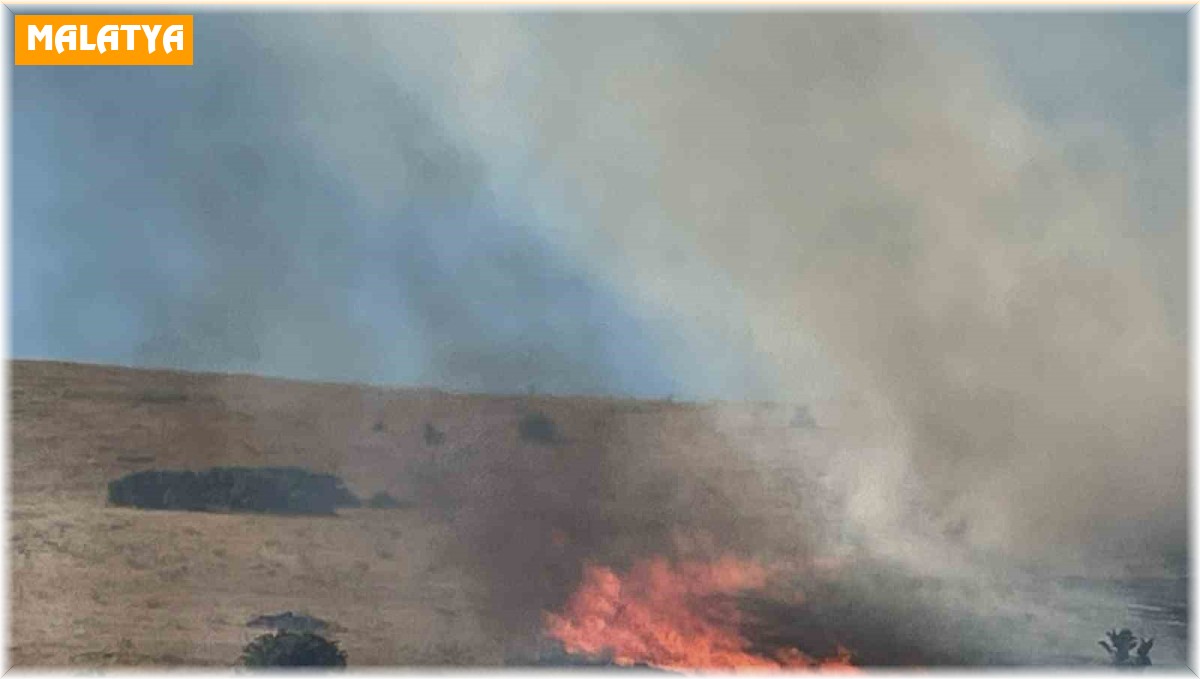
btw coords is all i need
(672, 616)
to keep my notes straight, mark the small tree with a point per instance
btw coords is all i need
(293, 649)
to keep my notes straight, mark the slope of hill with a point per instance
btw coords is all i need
(501, 502)
(96, 585)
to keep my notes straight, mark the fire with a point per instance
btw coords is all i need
(672, 616)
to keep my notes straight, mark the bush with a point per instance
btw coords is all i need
(433, 435)
(281, 490)
(1122, 643)
(538, 428)
(293, 649)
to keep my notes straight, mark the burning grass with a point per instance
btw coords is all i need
(679, 616)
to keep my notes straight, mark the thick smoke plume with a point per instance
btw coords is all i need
(981, 295)
(875, 199)
(883, 221)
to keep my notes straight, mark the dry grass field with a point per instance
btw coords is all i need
(97, 585)
(492, 531)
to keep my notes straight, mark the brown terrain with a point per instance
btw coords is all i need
(99, 585)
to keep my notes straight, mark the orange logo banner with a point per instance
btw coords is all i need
(102, 39)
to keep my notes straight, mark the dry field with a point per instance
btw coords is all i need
(97, 585)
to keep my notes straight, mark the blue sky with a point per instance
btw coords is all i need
(197, 217)
(168, 217)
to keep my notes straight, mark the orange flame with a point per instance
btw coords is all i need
(672, 617)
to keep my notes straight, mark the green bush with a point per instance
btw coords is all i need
(293, 649)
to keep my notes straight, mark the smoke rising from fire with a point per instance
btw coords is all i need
(872, 213)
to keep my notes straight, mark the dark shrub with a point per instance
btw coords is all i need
(293, 649)
(433, 436)
(1123, 643)
(281, 490)
(538, 428)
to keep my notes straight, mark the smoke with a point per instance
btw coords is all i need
(864, 206)
(274, 215)
(890, 205)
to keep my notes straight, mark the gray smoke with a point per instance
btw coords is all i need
(863, 205)
(309, 217)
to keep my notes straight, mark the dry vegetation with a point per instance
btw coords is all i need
(98, 585)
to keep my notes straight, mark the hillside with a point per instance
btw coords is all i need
(95, 585)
